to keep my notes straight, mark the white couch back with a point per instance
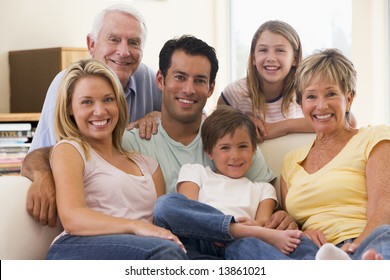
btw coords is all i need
(275, 149)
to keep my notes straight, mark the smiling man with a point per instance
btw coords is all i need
(187, 71)
(117, 39)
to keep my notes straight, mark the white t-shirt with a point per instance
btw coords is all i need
(236, 197)
(172, 155)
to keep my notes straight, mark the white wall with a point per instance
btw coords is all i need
(26, 24)
(370, 54)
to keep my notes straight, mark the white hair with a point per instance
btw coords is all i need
(122, 8)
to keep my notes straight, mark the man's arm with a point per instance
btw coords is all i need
(41, 198)
(281, 220)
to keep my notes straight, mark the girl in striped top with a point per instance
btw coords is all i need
(267, 92)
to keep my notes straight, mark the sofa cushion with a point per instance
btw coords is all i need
(21, 238)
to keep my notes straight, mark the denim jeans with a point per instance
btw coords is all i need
(379, 239)
(114, 247)
(199, 226)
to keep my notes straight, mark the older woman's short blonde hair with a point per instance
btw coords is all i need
(64, 123)
(329, 64)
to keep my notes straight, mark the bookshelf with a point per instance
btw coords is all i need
(32, 71)
(16, 133)
(20, 117)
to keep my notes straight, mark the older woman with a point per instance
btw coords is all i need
(338, 188)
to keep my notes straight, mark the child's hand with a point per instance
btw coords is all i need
(260, 129)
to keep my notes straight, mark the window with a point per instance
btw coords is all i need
(319, 25)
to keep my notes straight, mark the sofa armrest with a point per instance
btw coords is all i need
(21, 237)
(275, 149)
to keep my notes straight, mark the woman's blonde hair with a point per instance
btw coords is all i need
(64, 123)
(254, 81)
(329, 64)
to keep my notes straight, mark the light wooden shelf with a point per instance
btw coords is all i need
(20, 117)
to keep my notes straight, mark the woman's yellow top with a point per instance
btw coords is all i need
(333, 199)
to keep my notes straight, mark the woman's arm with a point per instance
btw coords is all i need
(378, 191)
(278, 129)
(159, 183)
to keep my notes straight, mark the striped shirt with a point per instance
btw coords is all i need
(236, 95)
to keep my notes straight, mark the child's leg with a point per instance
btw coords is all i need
(285, 240)
(192, 219)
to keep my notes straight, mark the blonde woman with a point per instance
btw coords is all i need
(105, 195)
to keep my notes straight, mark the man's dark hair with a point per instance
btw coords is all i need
(189, 45)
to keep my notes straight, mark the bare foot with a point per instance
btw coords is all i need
(285, 240)
(371, 254)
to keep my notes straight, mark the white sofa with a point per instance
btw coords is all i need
(22, 238)
(275, 149)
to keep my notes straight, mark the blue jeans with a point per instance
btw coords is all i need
(199, 226)
(379, 240)
(114, 247)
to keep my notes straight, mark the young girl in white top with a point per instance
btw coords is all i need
(220, 204)
(105, 195)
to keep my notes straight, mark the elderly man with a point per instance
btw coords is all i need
(117, 39)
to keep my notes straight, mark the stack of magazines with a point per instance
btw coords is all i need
(15, 140)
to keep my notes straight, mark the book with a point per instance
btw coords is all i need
(13, 145)
(15, 133)
(13, 140)
(15, 127)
